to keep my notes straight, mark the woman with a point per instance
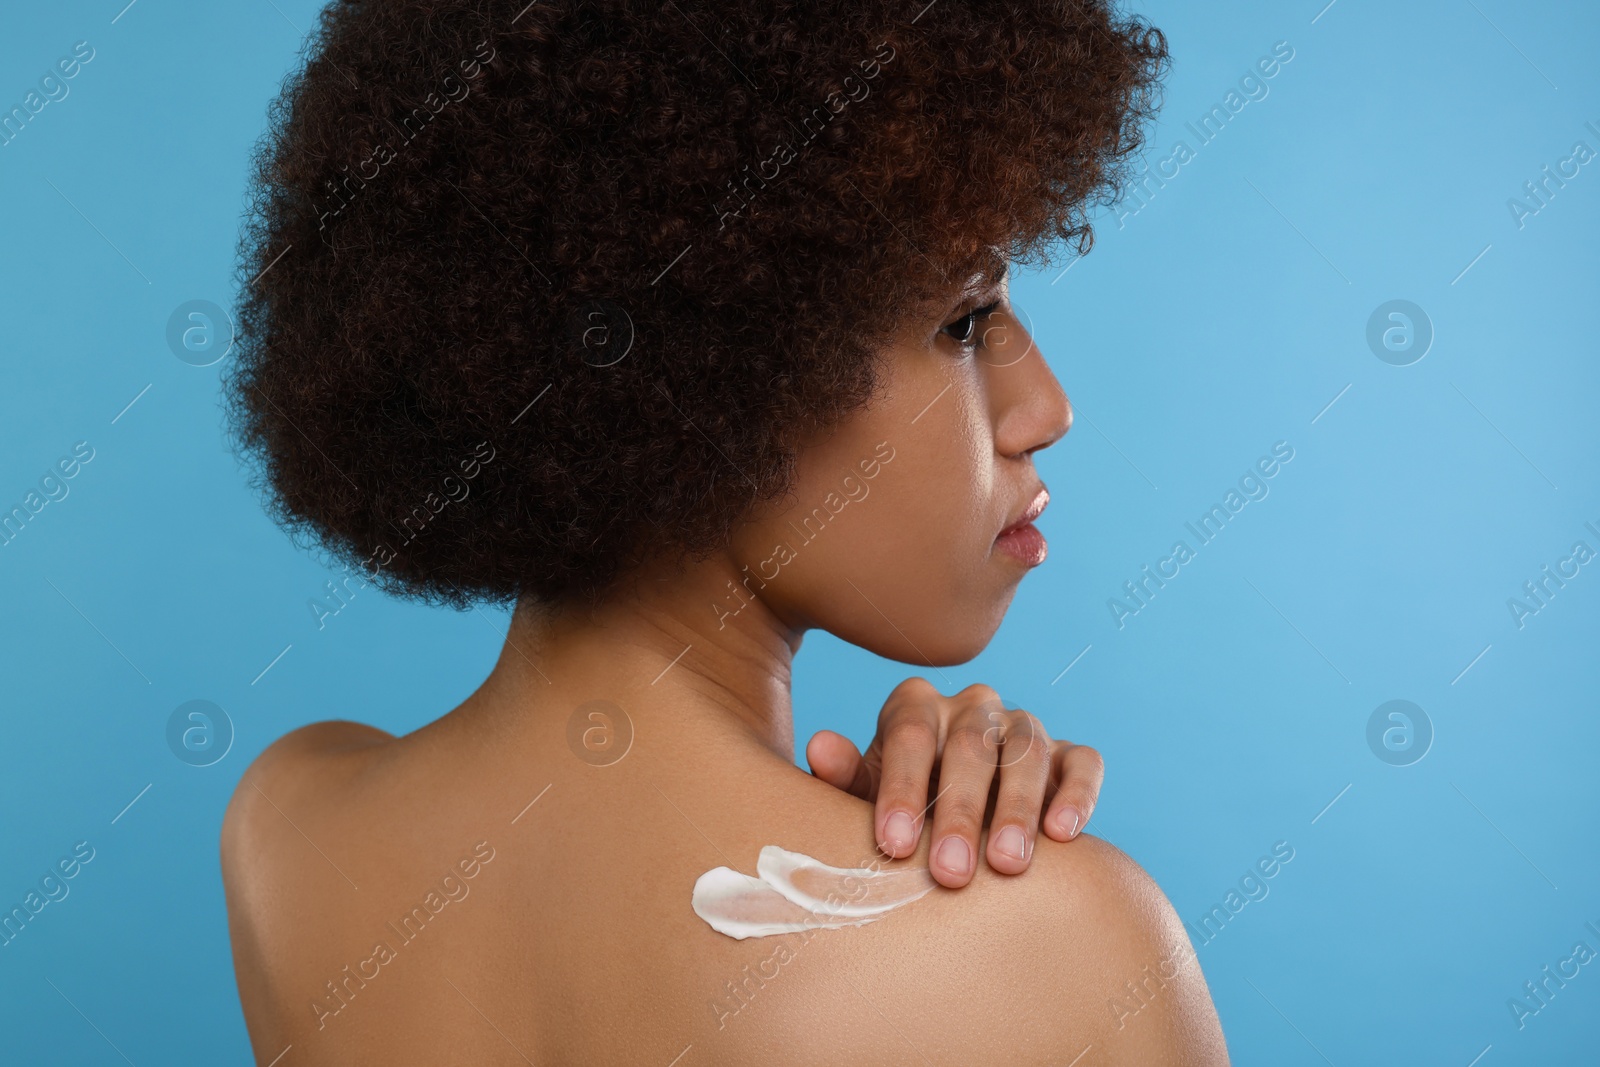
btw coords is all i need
(685, 328)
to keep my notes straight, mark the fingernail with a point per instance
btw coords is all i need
(954, 856)
(1068, 820)
(1012, 842)
(898, 832)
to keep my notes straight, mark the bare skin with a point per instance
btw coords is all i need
(564, 932)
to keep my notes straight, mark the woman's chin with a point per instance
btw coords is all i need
(968, 634)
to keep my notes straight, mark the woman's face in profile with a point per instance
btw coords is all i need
(892, 536)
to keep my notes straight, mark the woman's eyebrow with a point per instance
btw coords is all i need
(984, 277)
(980, 279)
(987, 276)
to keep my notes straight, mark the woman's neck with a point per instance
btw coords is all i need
(690, 633)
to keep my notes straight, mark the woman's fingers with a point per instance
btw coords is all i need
(1024, 768)
(992, 767)
(834, 759)
(1076, 772)
(904, 751)
(966, 773)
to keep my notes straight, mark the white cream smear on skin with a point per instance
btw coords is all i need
(795, 892)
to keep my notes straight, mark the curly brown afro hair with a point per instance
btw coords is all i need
(537, 291)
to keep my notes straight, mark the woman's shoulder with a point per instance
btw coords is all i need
(1081, 954)
(1087, 945)
(307, 760)
(325, 790)
(287, 758)
(1080, 960)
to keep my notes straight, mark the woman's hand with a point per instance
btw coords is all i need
(982, 765)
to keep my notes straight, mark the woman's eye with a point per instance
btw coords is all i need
(963, 329)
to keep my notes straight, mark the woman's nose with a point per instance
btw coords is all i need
(1032, 410)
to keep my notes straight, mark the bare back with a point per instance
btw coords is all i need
(474, 893)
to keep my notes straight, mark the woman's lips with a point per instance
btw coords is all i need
(1022, 540)
(1025, 544)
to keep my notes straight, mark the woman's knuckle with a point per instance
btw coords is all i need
(980, 694)
(916, 688)
(1025, 729)
(910, 732)
(1035, 755)
(972, 738)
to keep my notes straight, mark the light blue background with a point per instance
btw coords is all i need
(1222, 317)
